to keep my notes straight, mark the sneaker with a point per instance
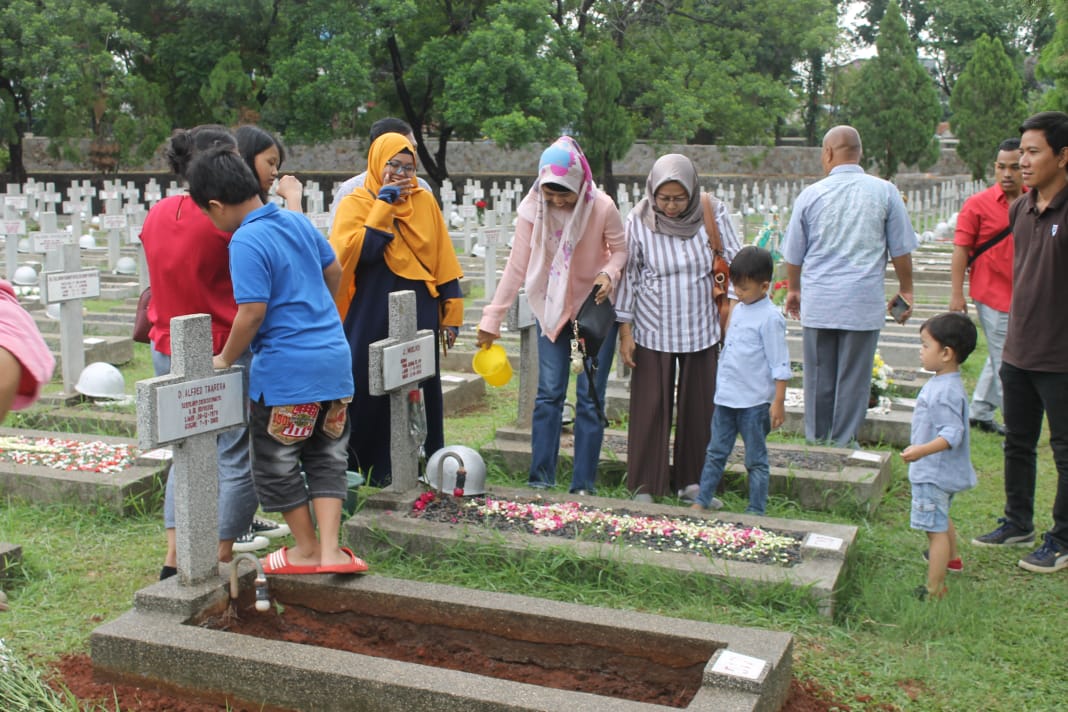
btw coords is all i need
(250, 542)
(689, 493)
(270, 529)
(955, 565)
(1008, 534)
(1046, 559)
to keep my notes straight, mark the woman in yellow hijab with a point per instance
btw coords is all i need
(390, 236)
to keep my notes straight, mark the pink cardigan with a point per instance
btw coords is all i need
(603, 248)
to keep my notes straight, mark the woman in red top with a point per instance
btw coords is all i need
(189, 270)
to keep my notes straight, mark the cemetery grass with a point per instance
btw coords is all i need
(992, 644)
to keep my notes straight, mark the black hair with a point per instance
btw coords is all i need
(557, 187)
(186, 143)
(1009, 144)
(1054, 124)
(389, 124)
(252, 141)
(954, 330)
(222, 175)
(752, 263)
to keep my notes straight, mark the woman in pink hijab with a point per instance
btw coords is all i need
(568, 238)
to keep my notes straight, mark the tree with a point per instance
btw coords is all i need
(1053, 65)
(475, 69)
(987, 104)
(894, 105)
(59, 63)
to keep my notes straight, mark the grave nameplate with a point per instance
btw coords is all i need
(68, 286)
(199, 406)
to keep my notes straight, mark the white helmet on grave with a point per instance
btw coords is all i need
(87, 242)
(441, 469)
(25, 276)
(52, 311)
(101, 380)
(125, 265)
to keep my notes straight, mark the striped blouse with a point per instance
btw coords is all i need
(666, 291)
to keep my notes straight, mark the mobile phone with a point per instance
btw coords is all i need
(898, 308)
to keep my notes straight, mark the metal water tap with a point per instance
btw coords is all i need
(461, 471)
(263, 600)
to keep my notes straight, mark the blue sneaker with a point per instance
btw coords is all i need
(1008, 534)
(1046, 559)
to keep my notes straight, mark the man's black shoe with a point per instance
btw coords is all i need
(988, 426)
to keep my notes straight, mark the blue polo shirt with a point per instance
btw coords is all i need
(300, 352)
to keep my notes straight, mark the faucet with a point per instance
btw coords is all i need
(461, 472)
(263, 600)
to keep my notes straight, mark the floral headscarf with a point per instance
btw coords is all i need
(557, 230)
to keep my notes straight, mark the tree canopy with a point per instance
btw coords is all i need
(894, 105)
(126, 72)
(987, 104)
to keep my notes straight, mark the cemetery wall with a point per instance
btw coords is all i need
(484, 159)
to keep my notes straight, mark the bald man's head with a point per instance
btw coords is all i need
(841, 145)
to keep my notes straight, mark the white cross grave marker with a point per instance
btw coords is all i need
(68, 286)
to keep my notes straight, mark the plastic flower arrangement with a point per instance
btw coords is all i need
(480, 206)
(778, 292)
(693, 535)
(882, 380)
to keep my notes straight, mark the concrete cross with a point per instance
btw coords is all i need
(68, 285)
(186, 410)
(521, 318)
(396, 366)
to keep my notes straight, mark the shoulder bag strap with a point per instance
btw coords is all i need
(708, 204)
(988, 244)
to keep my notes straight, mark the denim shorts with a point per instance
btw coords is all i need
(316, 446)
(930, 507)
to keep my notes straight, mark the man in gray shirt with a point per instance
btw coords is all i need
(841, 230)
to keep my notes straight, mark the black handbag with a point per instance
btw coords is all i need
(591, 327)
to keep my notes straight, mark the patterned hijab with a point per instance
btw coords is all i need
(680, 169)
(557, 230)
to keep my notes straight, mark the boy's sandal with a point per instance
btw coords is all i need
(354, 565)
(277, 562)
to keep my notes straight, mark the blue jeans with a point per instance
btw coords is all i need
(987, 396)
(237, 496)
(754, 424)
(554, 373)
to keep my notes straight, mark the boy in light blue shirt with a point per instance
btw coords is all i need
(750, 382)
(939, 457)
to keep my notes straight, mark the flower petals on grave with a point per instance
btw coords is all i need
(69, 455)
(684, 534)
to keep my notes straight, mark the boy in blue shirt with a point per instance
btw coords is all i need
(284, 275)
(939, 457)
(750, 381)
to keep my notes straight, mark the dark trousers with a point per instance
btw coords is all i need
(1026, 396)
(652, 405)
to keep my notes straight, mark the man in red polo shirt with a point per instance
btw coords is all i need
(983, 247)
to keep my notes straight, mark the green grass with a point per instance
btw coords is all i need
(993, 644)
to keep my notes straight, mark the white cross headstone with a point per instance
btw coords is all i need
(395, 368)
(521, 319)
(115, 221)
(186, 410)
(491, 237)
(68, 286)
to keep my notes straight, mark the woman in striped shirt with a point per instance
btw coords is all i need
(669, 328)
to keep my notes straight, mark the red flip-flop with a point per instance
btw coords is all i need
(277, 562)
(354, 565)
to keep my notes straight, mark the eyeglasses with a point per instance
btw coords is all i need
(670, 199)
(402, 168)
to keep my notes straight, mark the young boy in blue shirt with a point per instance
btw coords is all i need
(284, 275)
(939, 457)
(754, 368)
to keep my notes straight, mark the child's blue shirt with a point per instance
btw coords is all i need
(942, 411)
(754, 355)
(300, 352)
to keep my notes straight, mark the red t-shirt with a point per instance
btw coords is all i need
(983, 216)
(189, 270)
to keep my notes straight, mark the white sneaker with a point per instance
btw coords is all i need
(250, 542)
(689, 493)
(262, 526)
